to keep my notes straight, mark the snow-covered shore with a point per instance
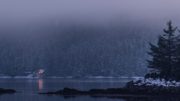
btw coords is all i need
(155, 82)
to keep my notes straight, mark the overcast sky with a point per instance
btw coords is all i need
(28, 11)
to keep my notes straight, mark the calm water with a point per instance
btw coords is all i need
(28, 89)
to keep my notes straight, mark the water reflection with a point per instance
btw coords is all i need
(30, 89)
(40, 84)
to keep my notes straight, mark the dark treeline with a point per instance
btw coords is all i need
(77, 51)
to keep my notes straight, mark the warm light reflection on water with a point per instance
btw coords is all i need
(40, 84)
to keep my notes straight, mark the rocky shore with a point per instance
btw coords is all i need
(7, 91)
(136, 88)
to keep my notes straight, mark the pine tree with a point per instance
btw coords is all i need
(164, 53)
(176, 70)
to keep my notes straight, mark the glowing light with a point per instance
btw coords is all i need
(40, 84)
(41, 71)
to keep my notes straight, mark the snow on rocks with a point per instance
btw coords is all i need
(155, 82)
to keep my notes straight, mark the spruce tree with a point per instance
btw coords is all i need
(176, 70)
(164, 53)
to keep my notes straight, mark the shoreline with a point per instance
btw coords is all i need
(114, 92)
(7, 91)
(137, 88)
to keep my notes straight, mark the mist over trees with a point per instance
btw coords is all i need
(77, 51)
